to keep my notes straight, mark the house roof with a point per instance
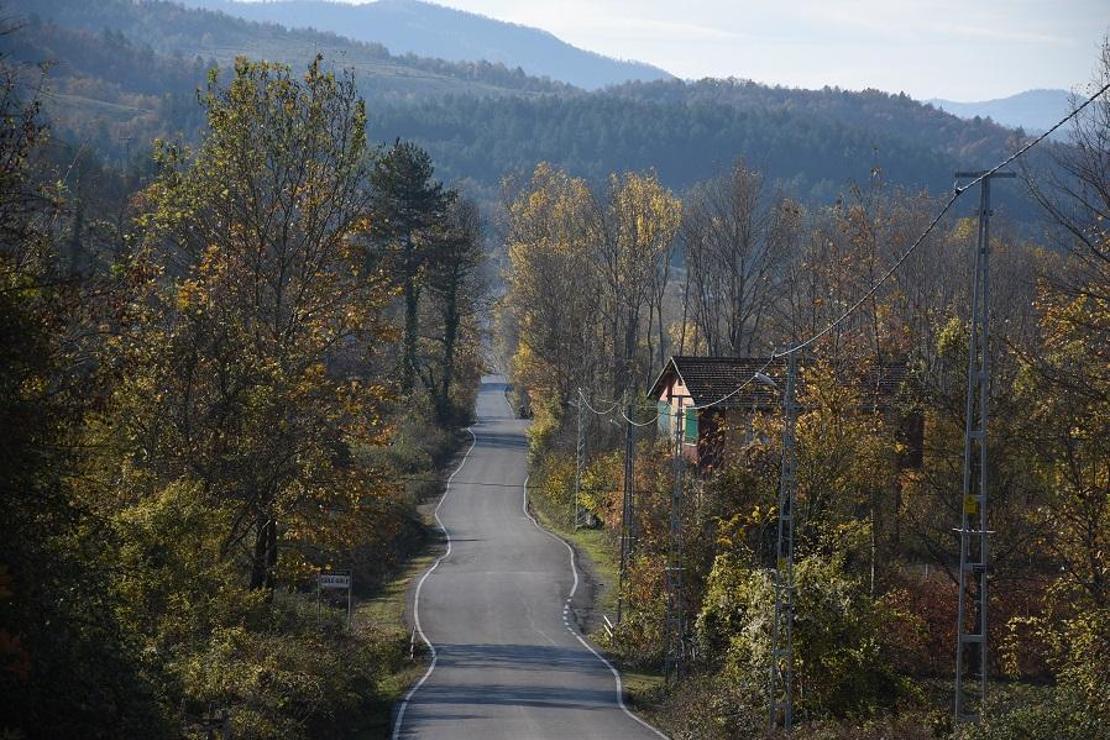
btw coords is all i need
(708, 379)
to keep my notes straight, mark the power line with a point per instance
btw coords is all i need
(582, 397)
(878, 283)
(641, 423)
(774, 356)
(1034, 142)
(958, 191)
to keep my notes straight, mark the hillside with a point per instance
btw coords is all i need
(814, 143)
(126, 72)
(172, 30)
(1032, 110)
(429, 30)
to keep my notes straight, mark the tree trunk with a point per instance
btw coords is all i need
(450, 333)
(412, 319)
(265, 553)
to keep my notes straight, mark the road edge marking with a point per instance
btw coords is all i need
(399, 721)
(566, 623)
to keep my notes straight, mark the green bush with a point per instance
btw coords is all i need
(1057, 713)
(281, 665)
(840, 667)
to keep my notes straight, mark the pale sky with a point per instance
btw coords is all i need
(956, 49)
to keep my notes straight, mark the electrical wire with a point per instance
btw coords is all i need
(740, 387)
(958, 191)
(641, 423)
(878, 283)
(1037, 140)
(582, 399)
(905, 255)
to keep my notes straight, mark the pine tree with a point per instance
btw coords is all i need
(406, 203)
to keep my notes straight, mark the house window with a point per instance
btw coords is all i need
(691, 426)
(664, 417)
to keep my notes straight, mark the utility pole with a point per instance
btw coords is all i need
(781, 689)
(974, 550)
(676, 628)
(626, 507)
(579, 457)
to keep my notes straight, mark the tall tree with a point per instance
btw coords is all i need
(66, 667)
(407, 202)
(737, 237)
(454, 281)
(636, 225)
(553, 295)
(228, 363)
(1075, 194)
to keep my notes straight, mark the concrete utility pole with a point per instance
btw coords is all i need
(676, 627)
(781, 689)
(627, 509)
(974, 549)
(579, 457)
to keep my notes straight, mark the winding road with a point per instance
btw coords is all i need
(497, 610)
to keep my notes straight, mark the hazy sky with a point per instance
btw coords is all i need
(957, 49)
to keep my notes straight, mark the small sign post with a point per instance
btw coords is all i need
(337, 581)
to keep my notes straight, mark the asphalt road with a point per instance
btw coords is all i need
(508, 660)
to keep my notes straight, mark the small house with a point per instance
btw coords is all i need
(703, 395)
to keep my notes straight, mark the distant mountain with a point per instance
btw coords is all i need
(191, 36)
(1032, 110)
(425, 29)
(125, 71)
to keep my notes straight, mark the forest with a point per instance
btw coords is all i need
(595, 304)
(125, 73)
(220, 378)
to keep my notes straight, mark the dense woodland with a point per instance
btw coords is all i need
(596, 302)
(218, 379)
(124, 73)
(436, 30)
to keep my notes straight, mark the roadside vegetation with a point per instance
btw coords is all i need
(245, 360)
(224, 372)
(604, 283)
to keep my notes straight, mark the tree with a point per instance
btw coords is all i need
(635, 229)
(737, 238)
(1075, 193)
(454, 281)
(228, 360)
(552, 297)
(66, 666)
(407, 202)
(1065, 390)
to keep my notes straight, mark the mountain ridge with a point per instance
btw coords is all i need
(1034, 110)
(126, 72)
(431, 30)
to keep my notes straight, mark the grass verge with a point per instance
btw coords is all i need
(383, 617)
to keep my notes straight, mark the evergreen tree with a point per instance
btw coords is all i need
(406, 203)
(453, 282)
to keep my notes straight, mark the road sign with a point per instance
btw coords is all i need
(335, 582)
(332, 580)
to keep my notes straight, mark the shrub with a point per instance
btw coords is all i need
(1058, 713)
(840, 667)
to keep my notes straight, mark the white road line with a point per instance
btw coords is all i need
(416, 599)
(570, 596)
